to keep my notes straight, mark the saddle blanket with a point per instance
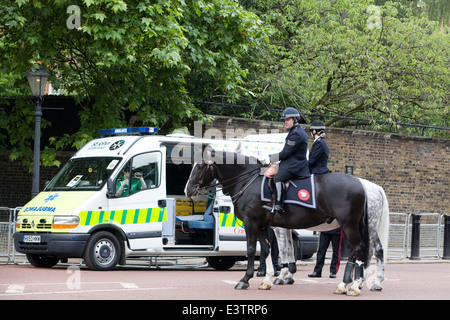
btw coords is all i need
(300, 192)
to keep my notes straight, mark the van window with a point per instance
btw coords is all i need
(178, 167)
(140, 173)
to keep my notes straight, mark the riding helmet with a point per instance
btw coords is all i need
(290, 113)
(317, 125)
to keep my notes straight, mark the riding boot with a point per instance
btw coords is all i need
(279, 199)
(278, 207)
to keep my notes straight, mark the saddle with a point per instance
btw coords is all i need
(272, 170)
(299, 190)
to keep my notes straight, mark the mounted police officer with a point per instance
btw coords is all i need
(293, 157)
(318, 155)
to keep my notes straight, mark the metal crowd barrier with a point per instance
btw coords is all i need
(411, 230)
(398, 233)
(7, 229)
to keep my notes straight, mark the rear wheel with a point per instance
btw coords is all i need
(102, 251)
(221, 263)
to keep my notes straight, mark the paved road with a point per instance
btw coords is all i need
(404, 281)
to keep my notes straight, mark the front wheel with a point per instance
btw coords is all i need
(102, 251)
(42, 261)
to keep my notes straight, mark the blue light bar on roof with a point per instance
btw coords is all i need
(138, 130)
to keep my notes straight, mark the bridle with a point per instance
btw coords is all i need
(254, 173)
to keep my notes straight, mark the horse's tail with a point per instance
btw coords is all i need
(383, 227)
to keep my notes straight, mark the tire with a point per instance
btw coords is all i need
(41, 261)
(221, 263)
(102, 252)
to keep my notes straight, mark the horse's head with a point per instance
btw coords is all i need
(202, 174)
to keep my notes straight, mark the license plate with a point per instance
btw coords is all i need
(31, 239)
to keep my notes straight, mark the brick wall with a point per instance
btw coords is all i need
(414, 171)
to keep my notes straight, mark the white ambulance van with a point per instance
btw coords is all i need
(122, 196)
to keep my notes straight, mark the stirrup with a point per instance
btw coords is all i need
(275, 209)
(278, 209)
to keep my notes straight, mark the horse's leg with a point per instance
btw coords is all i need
(359, 261)
(289, 253)
(287, 258)
(281, 240)
(263, 236)
(348, 274)
(379, 255)
(355, 289)
(280, 235)
(251, 233)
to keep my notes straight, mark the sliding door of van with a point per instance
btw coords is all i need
(231, 231)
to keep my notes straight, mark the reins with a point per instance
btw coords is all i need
(237, 180)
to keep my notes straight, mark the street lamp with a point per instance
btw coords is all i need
(37, 81)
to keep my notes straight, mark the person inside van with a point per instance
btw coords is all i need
(137, 183)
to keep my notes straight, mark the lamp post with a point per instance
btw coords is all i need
(37, 81)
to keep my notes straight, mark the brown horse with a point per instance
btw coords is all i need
(339, 197)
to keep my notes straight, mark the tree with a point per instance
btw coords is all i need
(115, 56)
(352, 58)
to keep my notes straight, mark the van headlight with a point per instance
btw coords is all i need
(18, 220)
(65, 222)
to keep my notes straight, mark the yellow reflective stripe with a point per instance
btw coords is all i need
(229, 220)
(142, 216)
(129, 217)
(154, 214)
(132, 216)
(83, 218)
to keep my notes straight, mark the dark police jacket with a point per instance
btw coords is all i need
(293, 155)
(318, 157)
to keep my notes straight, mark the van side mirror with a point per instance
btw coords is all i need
(111, 188)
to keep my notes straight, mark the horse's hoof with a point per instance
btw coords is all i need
(265, 286)
(340, 289)
(289, 280)
(353, 293)
(241, 286)
(279, 282)
(376, 287)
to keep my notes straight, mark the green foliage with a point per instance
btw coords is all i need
(351, 58)
(114, 55)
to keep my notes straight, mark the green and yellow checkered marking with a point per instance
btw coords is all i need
(230, 220)
(132, 216)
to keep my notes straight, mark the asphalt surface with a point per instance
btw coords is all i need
(404, 281)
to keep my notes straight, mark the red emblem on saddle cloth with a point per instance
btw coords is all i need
(304, 195)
